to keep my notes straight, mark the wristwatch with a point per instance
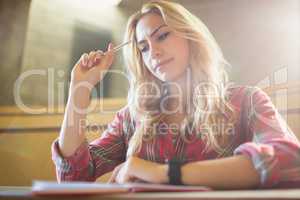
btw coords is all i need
(174, 171)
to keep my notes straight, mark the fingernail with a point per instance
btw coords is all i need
(110, 46)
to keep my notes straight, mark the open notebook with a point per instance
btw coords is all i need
(67, 188)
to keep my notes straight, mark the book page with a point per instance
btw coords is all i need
(48, 187)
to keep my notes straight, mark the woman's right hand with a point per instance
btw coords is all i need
(91, 68)
(88, 71)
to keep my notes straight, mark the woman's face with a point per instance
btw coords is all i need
(164, 53)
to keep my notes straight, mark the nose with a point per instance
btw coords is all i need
(155, 51)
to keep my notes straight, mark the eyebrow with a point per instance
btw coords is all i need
(157, 29)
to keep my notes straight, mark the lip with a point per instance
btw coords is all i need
(159, 65)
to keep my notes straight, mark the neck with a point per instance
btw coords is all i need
(178, 90)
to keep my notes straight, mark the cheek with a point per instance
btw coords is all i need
(179, 46)
(181, 52)
(146, 61)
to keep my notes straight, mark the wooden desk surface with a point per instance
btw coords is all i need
(17, 193)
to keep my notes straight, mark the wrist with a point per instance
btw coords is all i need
(162, 173)
(79, 96)
(80, 87)
(150, 171)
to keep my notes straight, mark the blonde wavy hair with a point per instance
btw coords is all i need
(207, 66)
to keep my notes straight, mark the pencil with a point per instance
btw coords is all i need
(120, 46)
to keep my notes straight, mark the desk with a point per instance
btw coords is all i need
(17, 193)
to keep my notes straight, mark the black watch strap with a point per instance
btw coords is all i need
(174, 172)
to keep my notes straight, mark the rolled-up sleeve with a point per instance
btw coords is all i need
(273, 149)
(94, 159)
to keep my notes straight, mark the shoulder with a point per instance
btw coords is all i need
(245, 91)
(250, 97)
(247, 96)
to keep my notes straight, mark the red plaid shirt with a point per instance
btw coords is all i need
(259, 133)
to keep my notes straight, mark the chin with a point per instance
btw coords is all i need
(166, 77)
(172, 77)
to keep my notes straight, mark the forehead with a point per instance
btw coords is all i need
(147, 24)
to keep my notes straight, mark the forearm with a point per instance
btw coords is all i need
(149, 171)
(72, 132)
(234, 172)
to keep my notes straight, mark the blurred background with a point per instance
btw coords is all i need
(41, 40)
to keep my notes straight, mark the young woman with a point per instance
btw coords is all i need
(183, 123)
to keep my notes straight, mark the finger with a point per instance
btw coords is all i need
(115, 172)
(83, 60)
(100, 52)
(123, 178)
(112, 178)
(106, 62)
(119, 179)
(110, 47)
(109, 54)
(91, 59)
(98, 56)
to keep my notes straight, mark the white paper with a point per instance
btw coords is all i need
(49, 187)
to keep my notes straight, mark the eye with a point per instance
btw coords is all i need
(163, 36)
(144, 49)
